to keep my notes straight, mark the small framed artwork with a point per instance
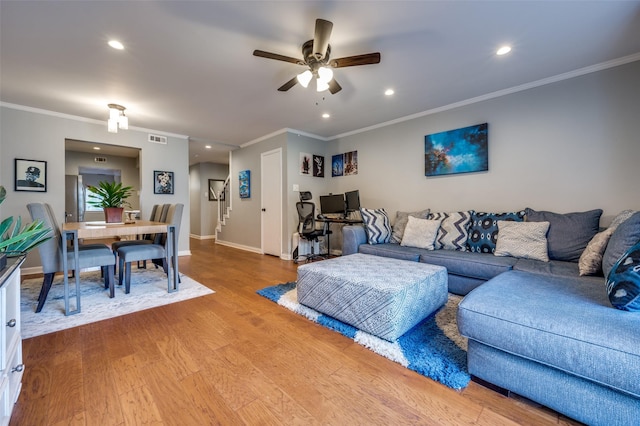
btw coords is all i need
(337, 165)
(305, 163)
(456, 151)
(245, 183)
(216, 190)
(30, 175)
(162, 182)
(318, 165)
(351, 163)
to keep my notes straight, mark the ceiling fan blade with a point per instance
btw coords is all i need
(269, 55)
(321, 38)
(351, 61)
(334, 87)
(288, 85)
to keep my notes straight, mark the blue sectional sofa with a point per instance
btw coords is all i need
(540, 329)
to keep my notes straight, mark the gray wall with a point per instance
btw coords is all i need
(41, 136)
(242, 229)
(130, 175)
(204, 215)
(568, 146)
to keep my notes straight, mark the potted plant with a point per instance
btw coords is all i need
(111, 197)
(16, 239)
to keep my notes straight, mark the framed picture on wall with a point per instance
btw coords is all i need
(318, 165)
(30, 175)
(462, 150)
(216, 190)
(162, 182)
(244, 178)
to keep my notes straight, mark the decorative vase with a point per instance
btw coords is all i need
(113, 214)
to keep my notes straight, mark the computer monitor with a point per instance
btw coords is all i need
(332, 204)
(353, 200)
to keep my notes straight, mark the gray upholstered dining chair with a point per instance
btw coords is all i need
(90, 255)
(158, 214)
(157, 252)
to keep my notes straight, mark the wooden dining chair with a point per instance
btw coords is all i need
(90, 255)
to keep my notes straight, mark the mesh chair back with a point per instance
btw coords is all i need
(306, 220)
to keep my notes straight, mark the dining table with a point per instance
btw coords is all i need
(76, 231)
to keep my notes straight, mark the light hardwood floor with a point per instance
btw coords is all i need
(234, 357)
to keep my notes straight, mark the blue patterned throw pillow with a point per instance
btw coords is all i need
(623, 283)
(377, 225)
(483, 231)
(454, 230)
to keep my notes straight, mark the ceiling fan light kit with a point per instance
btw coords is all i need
(316, 56)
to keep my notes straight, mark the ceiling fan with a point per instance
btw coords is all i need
(316, 56)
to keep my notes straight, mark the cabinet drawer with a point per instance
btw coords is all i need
(12, 316)
(5, 407)
(15, 370)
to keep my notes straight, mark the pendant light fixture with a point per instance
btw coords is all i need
(117, 119)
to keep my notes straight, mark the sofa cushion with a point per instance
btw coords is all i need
(527, 240)
(569, 233)
(376, 224)
(623, 282)
(590, 262)
(626, 235)
(473, 265)
(397, 230)
(483, 230)
(420, 233)
(453, 231)
(556, 321)
(395, 251)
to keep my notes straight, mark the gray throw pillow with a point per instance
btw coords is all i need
(569, 233)
(401, 222)
(626, 235)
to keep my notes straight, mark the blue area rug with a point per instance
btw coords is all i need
(433, 348)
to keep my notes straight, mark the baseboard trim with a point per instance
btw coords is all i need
(202, 237)
(239, 246)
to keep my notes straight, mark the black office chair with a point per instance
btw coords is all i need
(307, 227)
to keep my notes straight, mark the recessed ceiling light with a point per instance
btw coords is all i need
(326, 115)
(503, 50)
(97, 148)
(389, 92)
(116, 44)
(208, 146)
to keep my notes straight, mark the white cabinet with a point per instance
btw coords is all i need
(11, 367)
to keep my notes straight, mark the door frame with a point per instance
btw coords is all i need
(262, 198)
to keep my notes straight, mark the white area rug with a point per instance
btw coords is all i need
(148, 290)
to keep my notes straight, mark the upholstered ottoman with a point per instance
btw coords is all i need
(382, 296)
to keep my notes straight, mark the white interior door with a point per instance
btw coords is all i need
(271, 196)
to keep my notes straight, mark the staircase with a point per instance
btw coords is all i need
(224, 205)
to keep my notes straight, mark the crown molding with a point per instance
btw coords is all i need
(85, 119)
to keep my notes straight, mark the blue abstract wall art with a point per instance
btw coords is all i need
(244, 178)
(462, 150)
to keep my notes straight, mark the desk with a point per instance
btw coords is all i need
(77, 230)
(340, 220)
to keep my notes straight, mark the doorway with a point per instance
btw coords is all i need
(87, 163)
(271, 199)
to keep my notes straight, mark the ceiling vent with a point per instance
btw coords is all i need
(158, 139)
(100, 159)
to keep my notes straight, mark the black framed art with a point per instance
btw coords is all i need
(30, 175)
(216, 190)
(162, 182)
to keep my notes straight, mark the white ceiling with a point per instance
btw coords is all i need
(188, 67)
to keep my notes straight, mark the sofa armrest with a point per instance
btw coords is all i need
(352, 237)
